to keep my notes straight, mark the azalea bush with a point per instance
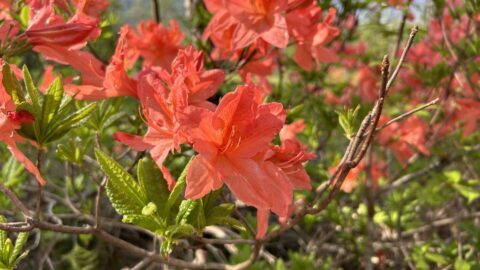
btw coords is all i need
(232, 134)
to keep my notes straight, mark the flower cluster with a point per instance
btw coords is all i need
(233, 139)
(10, 121)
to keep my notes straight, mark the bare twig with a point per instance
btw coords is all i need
(39, 186)
(370, 202)
(14, 199)
(156, 11)
(98, 201)
(441, 222)
(409, 177)
(355, 152)
(407, 114)
(413, 33)
(401, 28)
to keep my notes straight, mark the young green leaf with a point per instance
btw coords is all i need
(152, 183)
(126, 196)
(185, 209)
(182, 230)
(123, 191)
(32, 91)
(177, 189)
(149, 209)
(220, 211)
(64, 125)
(12, 85)
(51, 103)
(346, 119)
(19, 243)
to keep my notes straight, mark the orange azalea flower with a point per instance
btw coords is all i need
(163, 95)
(468, 113)
(367, 79)
(10, 120)
(8, 29)
(161, 137)
(232, 144)
(311, 36)
(156, 43)
(404, 137)
(261, 65)
(36, 5)
(423, 54)
(98, 82)
(291, 155)
(248, 21)
(91, 69)
(46, 28)
(187, 68)
(92, 8)
(61, 42)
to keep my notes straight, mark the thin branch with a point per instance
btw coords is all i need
(441, 222)
(142, 264)
(223, 241)
(407, 114)
(370, 202)
(349, 161)
(401, 28)
(39, 186)
(156, 11)
(10, 228)
(98, 201)
(413, 33)
(14, 199)
(138, 157)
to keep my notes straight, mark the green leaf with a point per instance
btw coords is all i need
(185, 209)
(453, 177)
(7, 250)
(295, 111)
(469, 193)
(149, 209)
(151, 222)
(24, 16)
(51, 103)
(107, 114)
(220, 215)
(31, 90)
(461, 265)
(209, 200)
(177, 189)
(197, 216)
(182, 230)
(123, 191)
(436, 258)
(21, 257)
(19, 243)
(219, 212)
(73, 151)
(166, 247)
(80, 258)
(126, 196)
(152, 183)
(13, 172)
(3, 235)
(64, 125)
(280, 265)
(12, 86)
(346, 119)
(229, 221)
